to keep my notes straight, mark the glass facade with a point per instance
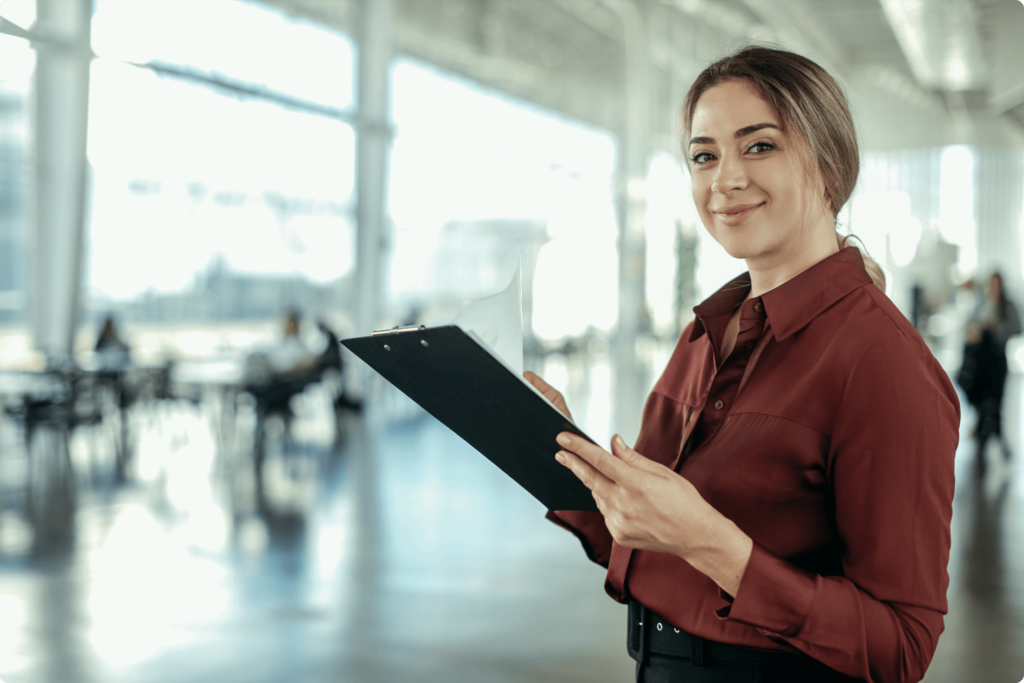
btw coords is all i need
(17, 62)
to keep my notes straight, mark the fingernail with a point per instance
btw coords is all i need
(619, 443)
(563, 439)
(559, 457)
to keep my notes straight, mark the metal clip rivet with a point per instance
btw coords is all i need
(387, 348)
(424, 342)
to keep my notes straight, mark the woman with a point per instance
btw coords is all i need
(983, 374)
(785, 513)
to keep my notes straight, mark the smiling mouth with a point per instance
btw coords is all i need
(735, 213)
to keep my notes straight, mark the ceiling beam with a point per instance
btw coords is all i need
(798, 27)
(940, 40)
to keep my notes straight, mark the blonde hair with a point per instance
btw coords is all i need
(805, 97)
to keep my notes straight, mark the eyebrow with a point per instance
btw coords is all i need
(746, 130)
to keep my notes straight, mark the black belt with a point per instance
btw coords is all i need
(650, 634)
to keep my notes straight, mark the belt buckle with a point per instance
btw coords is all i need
(636, 635)
(634, 632)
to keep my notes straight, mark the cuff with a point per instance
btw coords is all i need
(590, 529)
(773, 596)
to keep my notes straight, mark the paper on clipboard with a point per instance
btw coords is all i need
(497, 322)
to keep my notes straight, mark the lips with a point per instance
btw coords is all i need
(736, 210)
(733, 215)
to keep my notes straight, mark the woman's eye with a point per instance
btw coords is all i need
(761, 147)
(702, 157)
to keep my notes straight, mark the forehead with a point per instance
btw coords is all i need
(729, 106)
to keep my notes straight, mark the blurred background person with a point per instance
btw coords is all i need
(291, 355)
(983, 373)
(112, 352)
(113, 358)
(274, 376)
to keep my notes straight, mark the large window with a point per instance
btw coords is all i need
(474, 173)
(17, 63)
(222, 161)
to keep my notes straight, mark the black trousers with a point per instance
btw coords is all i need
(660, 669)
(665, 654)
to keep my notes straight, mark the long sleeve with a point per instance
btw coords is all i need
(590, 529)
(890, 467)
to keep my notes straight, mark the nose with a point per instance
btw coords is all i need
(729, 176)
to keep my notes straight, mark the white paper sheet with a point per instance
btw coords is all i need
(497, 321)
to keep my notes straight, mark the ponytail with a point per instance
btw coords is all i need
(870, 265)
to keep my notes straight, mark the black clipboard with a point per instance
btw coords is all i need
(473, 393)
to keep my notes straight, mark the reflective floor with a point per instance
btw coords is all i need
(380, 548)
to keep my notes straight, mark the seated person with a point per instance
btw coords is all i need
(111, 351)
(291, 355)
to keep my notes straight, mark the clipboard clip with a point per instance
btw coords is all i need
(398, 329)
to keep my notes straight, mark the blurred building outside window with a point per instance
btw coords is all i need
(209, 206)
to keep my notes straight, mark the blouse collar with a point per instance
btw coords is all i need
(794, 303)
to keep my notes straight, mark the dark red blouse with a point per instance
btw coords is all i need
(828, 437)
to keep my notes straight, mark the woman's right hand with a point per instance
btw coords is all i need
(549, 392)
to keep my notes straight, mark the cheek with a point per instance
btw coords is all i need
(805, 190)
(804, 201)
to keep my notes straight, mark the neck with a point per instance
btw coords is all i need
(768, 271)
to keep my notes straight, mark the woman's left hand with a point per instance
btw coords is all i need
(647, 506)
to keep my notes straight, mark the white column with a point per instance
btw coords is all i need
(61, 108)
(631, 374)
(373, 143)
(633, 159)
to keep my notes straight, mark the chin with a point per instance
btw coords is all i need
(738, 251)
(742, 249)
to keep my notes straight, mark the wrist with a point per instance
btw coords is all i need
(724, 557)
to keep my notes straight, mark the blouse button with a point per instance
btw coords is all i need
(719, 405)
(749, 346)
(758, 306)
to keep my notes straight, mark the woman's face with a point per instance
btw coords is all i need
(751, 182)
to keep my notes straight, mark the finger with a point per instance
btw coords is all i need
(595, 456)
(627, 454)
(591, 477)
(535, 379)
(548, 392)
(559, 402)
